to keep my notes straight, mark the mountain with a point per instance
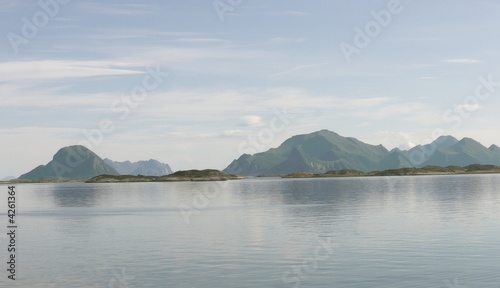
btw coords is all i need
(316, 152)
(72, 162)
(8, 178)
(465, 152)
(324, 150)
(395, 160)
(422, 153)
(146, 168)
(494, 149)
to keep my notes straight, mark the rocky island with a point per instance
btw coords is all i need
(427, 170)
(188, 175)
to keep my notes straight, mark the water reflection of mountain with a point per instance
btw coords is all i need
(76, 195)
(338, 194)
(439, 192)
(374, 206)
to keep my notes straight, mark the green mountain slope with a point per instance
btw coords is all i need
(316, 152)
(324, 150)
(395, 160)
(419, 154)
(495, 149)
(465, 152)
(73, 162)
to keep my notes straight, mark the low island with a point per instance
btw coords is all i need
(188, 175)
(427, 170)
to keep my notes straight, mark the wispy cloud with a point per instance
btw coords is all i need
(284, 40)
(251, 120)
(55, 69)
(214, 134)
(31, 130)
(199, 40)
(191, 58)
(365, 102)
(384, 108)
(116, 9)
(298, 68)
(419, 66)
(295, 13)
(468, 107)
(427, 78)
(133, 33)
(8, 6)
(43, 98)
(401, 140)
(462, 61)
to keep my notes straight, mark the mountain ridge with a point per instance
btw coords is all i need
(71, 162)
(324, 150)
(149, 167)
(77, 162)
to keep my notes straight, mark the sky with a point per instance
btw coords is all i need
(197, 83)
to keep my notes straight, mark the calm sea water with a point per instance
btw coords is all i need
(426, 231)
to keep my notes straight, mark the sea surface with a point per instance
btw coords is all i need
(417, 231)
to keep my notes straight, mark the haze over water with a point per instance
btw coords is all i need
(428, 231)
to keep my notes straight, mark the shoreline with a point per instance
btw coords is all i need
(26, 181)
(209, 175)
(374, 175)
(12, 182)
(423, 171)
(179, 176)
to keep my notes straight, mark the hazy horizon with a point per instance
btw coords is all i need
(191, 84)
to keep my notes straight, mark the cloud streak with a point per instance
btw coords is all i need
(296, 69)
(58, 69)
(462, 61)
(117, 9)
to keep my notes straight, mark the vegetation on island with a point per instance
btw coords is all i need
(427, 170)
(188, 175)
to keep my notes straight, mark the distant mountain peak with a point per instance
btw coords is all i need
(318, 151)
(149, 167)
(445, 141)
(469, 140)
(71, 162)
